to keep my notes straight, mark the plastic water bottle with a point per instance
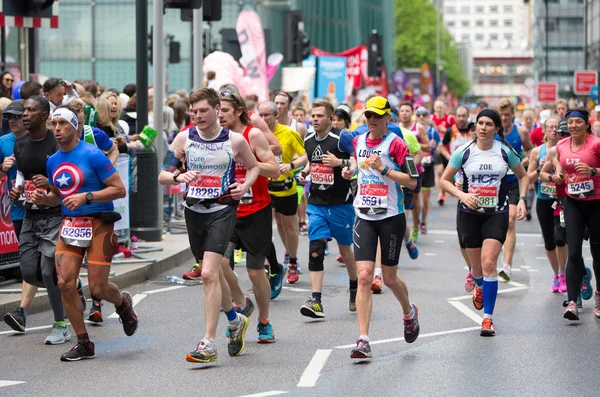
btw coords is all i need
(179, 280)
(134, 243)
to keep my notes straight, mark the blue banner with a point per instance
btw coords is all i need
(331, 77)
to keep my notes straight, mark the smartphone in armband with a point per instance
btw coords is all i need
(410, 167)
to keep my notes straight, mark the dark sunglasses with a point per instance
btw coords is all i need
(13, 117)
(9, 80)
(374, 115)
(422, 114)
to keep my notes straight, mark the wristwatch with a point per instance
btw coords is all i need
(594, 171)
(175, 175)
(524, 198)
(89, 197)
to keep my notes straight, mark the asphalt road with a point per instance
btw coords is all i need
(535, 351)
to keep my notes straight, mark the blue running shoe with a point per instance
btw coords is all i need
(276, 281)
(413, 251)
(327, 252)
(265, 333)
(247, 311)
(586, 286)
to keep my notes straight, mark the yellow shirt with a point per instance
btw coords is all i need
(291, 144)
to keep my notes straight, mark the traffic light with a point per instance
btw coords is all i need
(28, 8)
(150, 42)
(174, 48)
(183, 3)
(297, 43)
(375, 56)
(35, 6)
(211, 11)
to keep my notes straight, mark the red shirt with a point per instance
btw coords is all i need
(444, 123)
(537, 136)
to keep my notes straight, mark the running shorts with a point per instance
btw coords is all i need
(101, 249)
(513, 193)
(253, 234)
(331, 221)
(428, 176)
(287, 205)
(476, 228)
(210, 231)
(388, 231)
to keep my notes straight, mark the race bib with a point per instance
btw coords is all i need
(248, 196)
(373, 198)
(206, 187)
(487, 195)
(77, 231)
(321, 174)
(548, 189)
(580, 185)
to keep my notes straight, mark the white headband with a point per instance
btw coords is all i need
(68, 115)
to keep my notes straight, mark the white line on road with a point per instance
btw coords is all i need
(296, 289)
(461, 307)
(429, 254)
(266, 394)
(137, 298)
(421, 336)
(540, 258)
(156, 291)
(9, 383)
(532, 270)
(443, 232)
(515, 284)
(526, 267)
(313, 370)
(438, 241)
(540, 245)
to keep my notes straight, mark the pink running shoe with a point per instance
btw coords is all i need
(469, 283)
(555, 284)
(562, 283)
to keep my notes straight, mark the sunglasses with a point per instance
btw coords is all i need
(374, 115)
(13, 117)
(419, 114)
(9, 80)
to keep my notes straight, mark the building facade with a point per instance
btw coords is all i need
(592, 35)
(499, 35)
(96, 38)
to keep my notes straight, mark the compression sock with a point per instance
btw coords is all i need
(317, 296)
(354, 284)
(490, 292)
(478, 281)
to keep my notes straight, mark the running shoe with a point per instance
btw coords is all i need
(442, 198)
(586, 286)
(206, 352)
(504, 274)
(195, 273)
(478, 298)
(276, 281)
(487, 327)
(80, 292)
(423, 228)
(303, 229)
(411, 326)
(579, 302)
(571, 312)
(236, 334)
(340, 259)
(16, 320)
(292, 276)
(414, 234)
(528, 216)
(413, 251)
(352, 300)
(79, 352)
(127, 315)
(562, 283)
(312, 309)
(555, 284)
(96, 312)
(596, 309)
(265, 333)
(362, 350)
(469, 283)
(246, 311)
(327, 251)
(237, 256)
(377, 285)
(58, 336)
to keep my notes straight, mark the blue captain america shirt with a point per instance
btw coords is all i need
(81, 170)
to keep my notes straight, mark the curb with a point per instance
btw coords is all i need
(143, 273)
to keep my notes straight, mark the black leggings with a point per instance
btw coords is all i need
(545, 214)
(578, 214)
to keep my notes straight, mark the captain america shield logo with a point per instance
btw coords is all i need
(68, 179)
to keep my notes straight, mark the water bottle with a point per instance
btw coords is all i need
(134, 243)
(178, 280)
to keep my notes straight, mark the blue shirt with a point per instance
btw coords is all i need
(7, 148)
(392, 127)
(102, 140)
(81, 170)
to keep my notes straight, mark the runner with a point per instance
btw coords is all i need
(254, 226)
(556, 249)
(518, 139)
(380, 217)
(578, 157)
(330, 210)
(41, 224)
(283, 191)
(209, 152)
(442, 121)
(483, 211)
(85, 182)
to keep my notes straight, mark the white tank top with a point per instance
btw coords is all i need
(294, 124)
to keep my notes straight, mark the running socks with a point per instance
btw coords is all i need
(274, 265)
(293, 261)
(378, 272)
(61, 323)
(84, 339)
(410, 315)
(490, 292)
(354, 284)
(231, 315)
(364, 337)
(317, 296)
(478, 281)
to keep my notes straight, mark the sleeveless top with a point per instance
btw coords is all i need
(257, 197)
(545, 190)
(579, 186)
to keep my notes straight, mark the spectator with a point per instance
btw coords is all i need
(56, 89)
(129, 115)
(4, 128)
(6, 83)
(31, 88)
(129, 90)
(115, 112)
(596, 128)
(181, 117)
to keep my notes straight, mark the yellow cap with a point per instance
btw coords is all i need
(379, 105)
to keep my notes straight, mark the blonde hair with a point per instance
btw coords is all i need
(107, 95)
(77, 104)
(103, 108)
(505, 104)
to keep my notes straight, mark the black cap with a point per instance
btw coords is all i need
(15, 107)
(563, 127)
(470, 125)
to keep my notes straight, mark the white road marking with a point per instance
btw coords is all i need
(137, 298)
(526, 267)
(266, 394)
(515, 284)
(439, 241)
(313, 370)
(296, 289)
(421, 336)
(532, 270)
(461, 307)
(445, 232)
(540, 258)
(4, 383)
(156, 291)
(540, 245)
(429, 254)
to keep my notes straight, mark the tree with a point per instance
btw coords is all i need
(416, 42)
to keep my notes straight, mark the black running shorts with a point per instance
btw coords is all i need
(476, 228)
(388, 231)
(210, 231)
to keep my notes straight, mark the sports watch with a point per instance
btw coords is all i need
(89, 197)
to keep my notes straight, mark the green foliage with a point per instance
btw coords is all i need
(416, 39)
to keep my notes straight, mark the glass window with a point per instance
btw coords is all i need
(493, 36)
(508, 22)
(493, 22)
(508, 8)
(465, 23)
(73, 38)
(465, 37)
(465, 9)
(493, 8)
(450, 10)
(479, 37)
(479, 23)
(479, 9)
(450, 24)
(508, 36)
